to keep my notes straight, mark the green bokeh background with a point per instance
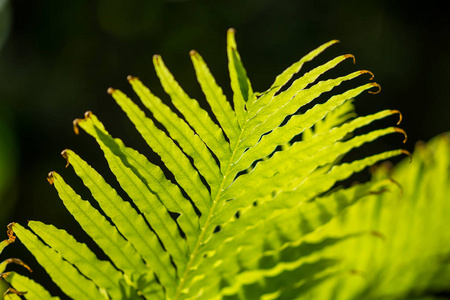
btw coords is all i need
(58, 58)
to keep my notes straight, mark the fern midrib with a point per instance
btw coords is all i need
(205, 226)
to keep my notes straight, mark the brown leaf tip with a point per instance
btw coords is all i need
(352, 56)
(400, 116)
(18, 262)
(193, 52)
(87, 114)
(50, 177)
(78, 120)
(65, 156)
(110, 90)
(3, 276)
(232, 30)
(10, 232)
(131, 78)
(368, 72)
(406, 152)
(375, 85)
(75, 126)
(402, 132)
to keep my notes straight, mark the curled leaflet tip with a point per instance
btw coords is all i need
(352, 56)
(376, 85)
(50, 177)
(65, 156)
(75, 126)
(368, 72)
(78, 120)
(400, 116)
(87, 114)
(402, 132)
(10, 232)
(406, 152)
(18, 262)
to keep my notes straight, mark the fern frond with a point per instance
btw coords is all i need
(239, 218)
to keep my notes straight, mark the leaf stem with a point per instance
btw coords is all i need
(204, 228)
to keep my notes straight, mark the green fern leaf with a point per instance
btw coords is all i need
(239, 219)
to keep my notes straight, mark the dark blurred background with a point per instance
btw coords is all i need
(57, 59)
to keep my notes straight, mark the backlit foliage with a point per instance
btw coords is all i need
(250, 210)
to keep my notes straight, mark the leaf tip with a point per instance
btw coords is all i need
(3, 276)
(375, 85)
(51, 177)
(400, 116)
(131, 78)
(10, 232)
(110, 90)
(399, 130)
(231, 41)
(193, 52)
(367, 72)
(157, 59)
(75, 126)
(352, 56)
(18, 262)
(406, 152)
(75, 122)
(65, 156)
(87, 114)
